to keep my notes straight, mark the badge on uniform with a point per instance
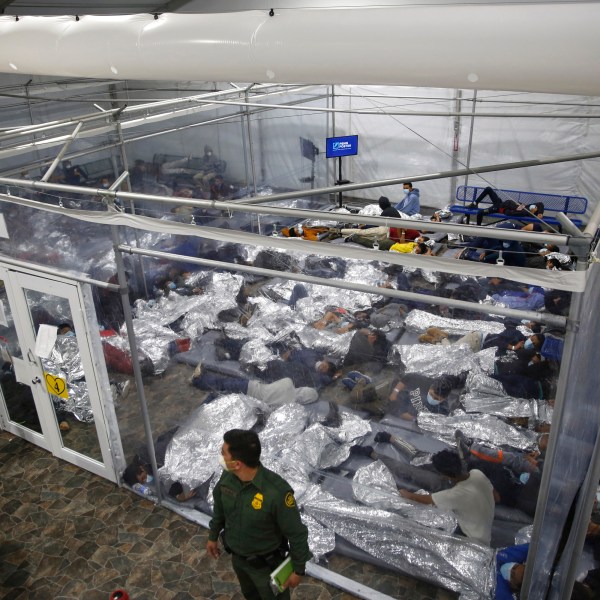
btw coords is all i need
(289, 500)
(257, 501)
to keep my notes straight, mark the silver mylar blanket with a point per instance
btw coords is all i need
(443, 559)
(486, 428)
(65, 362)
(374, 485)
(487, 395)
(434, 360)
(419, 321)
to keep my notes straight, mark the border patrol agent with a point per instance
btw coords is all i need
(257, 513)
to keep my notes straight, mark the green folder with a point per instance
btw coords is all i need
(280, 575)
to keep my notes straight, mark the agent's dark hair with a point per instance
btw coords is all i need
(244, 446)
(448, 463)
(540, 208)
(422, 248)
(408, 183)
(131, 472)
(384, 202)
(64, 326)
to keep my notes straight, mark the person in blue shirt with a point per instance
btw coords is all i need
(510, 568)
(410, 204)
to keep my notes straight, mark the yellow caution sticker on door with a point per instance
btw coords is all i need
(56, 385)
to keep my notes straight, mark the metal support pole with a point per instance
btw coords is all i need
(125, 162)
(557, 418)
(37, 152)
(248, 125)
(244, 149)
(586, 497)
(62, 152)
(427, 177)
(340, 195)
(331, 164)
(456, 141)
(471, 230)
(471, 128)
(547, 318)
(119, 180)
(135, 359)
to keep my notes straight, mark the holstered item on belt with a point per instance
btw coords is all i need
(261, 561)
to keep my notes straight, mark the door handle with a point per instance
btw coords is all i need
(36, 380)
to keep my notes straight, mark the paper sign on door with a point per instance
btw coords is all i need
(56, 385)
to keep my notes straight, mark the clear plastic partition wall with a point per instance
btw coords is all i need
(352, 393)
(355, 359)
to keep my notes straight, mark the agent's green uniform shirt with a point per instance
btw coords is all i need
(258, 515)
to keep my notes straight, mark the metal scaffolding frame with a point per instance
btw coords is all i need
(579, 242)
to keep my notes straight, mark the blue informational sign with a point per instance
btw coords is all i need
(346, 145)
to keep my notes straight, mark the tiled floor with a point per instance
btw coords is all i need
(69, 535)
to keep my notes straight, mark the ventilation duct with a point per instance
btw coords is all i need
(527, 47)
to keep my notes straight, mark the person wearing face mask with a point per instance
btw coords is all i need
(210, 166)
(256, 516)
(520, 356)
(510, 568)
(139, 470)
(411, 203)
(430, 396)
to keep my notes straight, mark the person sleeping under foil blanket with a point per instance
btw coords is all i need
(401, 397)
(276, 393)
(304, 366)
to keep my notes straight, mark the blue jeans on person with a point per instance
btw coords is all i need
(213, 381)
(352, 377)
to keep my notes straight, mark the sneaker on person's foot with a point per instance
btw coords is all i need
(383, 437)
(463, 444)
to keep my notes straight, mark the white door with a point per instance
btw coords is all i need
(53, 402)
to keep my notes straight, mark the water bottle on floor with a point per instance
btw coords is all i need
(140, 488)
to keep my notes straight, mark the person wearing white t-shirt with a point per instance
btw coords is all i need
(471, 499)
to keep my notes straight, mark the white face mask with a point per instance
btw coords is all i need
(149, 479)
(406, 190)
(431, 400)
(223, 463)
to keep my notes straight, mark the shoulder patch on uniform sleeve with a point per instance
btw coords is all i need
(290, 502)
